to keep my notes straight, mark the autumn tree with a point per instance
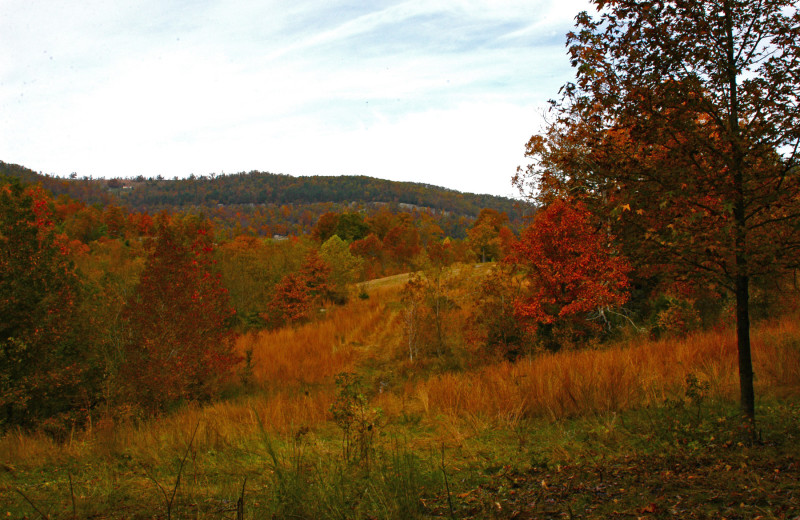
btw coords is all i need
(42, 367)
(430, 232)
(682, 130)
(381, 222)
(351, 226)
(114, 220)
(572, 272)
(429, 310)
(494, 325)
(291, 301)
(298, 293)
(180, 345)
(325, 226)
(109, 271)
(141, 223)
(485, 234)
(317, 275)
(370, 249)
(251, 267)
(85, 225)
(401, 242)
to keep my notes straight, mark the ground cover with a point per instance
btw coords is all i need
(640, 429)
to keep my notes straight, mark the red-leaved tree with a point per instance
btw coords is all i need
(571, 273)
(180, 345)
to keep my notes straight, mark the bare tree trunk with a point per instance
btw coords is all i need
(743, 343)
(742, 279)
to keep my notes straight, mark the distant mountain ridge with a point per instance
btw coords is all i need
(149, 194)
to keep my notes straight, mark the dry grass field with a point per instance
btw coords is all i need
(426, 422)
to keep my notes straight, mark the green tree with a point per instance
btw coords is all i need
(344, 266)
(682, 131)
(351, 226)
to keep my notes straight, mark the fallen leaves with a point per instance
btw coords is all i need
(683, 485)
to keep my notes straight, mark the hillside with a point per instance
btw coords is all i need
(261, 188)
(270, 204)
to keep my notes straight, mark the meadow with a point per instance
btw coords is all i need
(635, 428)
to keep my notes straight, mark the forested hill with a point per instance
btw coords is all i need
(147, 194)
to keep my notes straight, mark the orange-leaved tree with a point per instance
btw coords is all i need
(572, 273)
(401, 243)
(370, 249)
(180, 344)
(297, 293)
(494, 325)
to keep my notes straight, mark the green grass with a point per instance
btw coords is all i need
(666, 461)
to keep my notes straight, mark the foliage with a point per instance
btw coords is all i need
(543, 437)
(489, 235)
(180, 343)
(571, 272)
(370, 250)
(343, 264)
(42, 369)
(682, 130)
(351, 226)
(299, 293)
(267, 204)
(291, 301)
(325, 226)
(109, 271)
(676, 316)
(251, 269)
(429, 307)
(317, 275)
(401, 242)
(494, 324)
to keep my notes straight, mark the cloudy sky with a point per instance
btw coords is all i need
(444, 92)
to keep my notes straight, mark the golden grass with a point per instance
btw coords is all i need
(227, 424)
(315, 352)
(295, 367)
(295, 370)
(620, 377)
(219, 426)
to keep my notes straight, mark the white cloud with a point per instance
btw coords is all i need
(438, 91)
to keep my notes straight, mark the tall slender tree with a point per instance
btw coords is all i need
(682, 129)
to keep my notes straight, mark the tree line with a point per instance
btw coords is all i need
(283, 203)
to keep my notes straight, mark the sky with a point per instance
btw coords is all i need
(443, 92)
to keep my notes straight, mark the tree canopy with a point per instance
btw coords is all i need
(682, 128)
